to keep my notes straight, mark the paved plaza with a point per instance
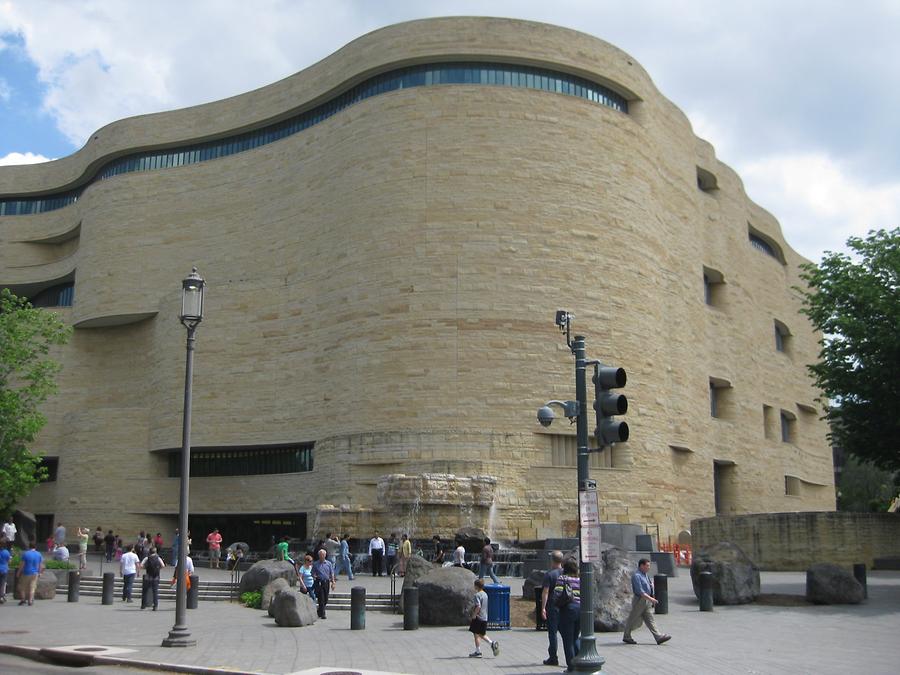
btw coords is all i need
(746, 639)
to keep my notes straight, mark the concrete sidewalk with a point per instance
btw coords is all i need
(745, 639)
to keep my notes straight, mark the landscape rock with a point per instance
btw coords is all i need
(265, 572)
(735, 576)
(828, 584)
(472, 539)
(446, 597)
(270, 589)
(292, 610)
(46, 586)
(534, 580)
(416, 568)
(612, 589)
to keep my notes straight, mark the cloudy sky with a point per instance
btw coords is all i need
(801, 97)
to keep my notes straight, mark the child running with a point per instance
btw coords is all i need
(478, 625)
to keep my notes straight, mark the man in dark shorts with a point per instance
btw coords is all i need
(478, 625)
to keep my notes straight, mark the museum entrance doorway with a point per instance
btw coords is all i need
(259, 530)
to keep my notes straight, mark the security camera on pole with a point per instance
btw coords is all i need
(606, 405)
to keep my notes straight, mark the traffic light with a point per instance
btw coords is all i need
(608, 403)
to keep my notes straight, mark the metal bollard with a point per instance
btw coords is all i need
(74, 586)
(193, 595)
(859, 573)
(661, 588)
(410, 608)
(706, 591)
(358, 608)
(539, 622)
(109, 582)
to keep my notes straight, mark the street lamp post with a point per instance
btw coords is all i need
(193, 289)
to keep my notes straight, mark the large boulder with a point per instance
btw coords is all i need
(828, 584)
(270, 589)
(446, 597)
(46, 586)
(292, 609)
(735, 576)
(534, 580)
(266, 571)
(612, 589)
(472, 539)
(416, 568)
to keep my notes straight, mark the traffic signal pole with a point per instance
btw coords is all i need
(587, 660)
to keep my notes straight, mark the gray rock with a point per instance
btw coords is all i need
(270, 589)
(46, 587)
(266, 571)
(828, 584)
(446, 597)
(292, 609)
(472, 539)
(612, 589)
(534, 580)
(735, 576)
(416, 568)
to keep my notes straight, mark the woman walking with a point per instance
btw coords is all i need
(567, 597)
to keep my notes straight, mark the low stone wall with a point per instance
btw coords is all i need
(794, 541)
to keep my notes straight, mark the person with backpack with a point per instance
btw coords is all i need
(567, 598)
(152, 565)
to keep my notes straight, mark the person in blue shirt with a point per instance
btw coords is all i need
(641, 605)
(30, 567)
(344, 559)
(5, 555)
(323, 580)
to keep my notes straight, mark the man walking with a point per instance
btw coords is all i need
(214, 539)
(487, 562)
(549, 610)
(376, 554)
(152, 565)
(128, 565)
(30, 568)
(9, 531)
(642, 604)
(59, 535)
(345, 561)
(323, 580)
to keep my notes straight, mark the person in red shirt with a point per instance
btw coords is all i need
(214, 539)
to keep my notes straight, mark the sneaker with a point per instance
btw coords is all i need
(23, 602)
(629, 641)
(663, 638)
(495, 647)
(551, 662)
(475, 655)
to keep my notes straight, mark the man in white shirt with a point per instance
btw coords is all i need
(376, 554)
(459, 556)
(9, 531)
(61, 553)
(128, 565)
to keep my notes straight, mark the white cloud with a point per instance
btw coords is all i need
(819, 201)
(5, 91)
(23, 158)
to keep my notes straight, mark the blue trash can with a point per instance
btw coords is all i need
(498, 606)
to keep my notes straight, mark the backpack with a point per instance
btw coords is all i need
(153, 566)
(562, 596)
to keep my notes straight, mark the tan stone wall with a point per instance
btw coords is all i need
(794, 541)
(384, 284)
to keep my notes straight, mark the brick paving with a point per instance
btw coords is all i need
(745, 639)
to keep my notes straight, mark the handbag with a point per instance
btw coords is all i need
(563, 595)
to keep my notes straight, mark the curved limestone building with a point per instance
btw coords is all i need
(386, 237)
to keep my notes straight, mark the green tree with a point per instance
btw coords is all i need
(27, 378)
(855, 302)
(864, 487)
